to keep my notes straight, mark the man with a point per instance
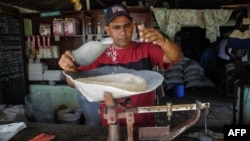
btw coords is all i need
(154, 49)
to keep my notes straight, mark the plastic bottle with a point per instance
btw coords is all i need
(89, 28)
(98, 28)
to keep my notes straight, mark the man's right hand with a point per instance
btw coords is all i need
(67, 62)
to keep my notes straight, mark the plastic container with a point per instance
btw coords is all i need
(54, 51)
(69, 116)
(58, 28)
(71, 26)
(179, 90)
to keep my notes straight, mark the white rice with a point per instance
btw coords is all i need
(125, 81)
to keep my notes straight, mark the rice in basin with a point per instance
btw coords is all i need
(125, 81)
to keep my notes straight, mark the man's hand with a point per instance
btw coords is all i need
(67, 62)
(151, 35)
(172, 53)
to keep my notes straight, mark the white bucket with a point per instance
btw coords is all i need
(69, 116)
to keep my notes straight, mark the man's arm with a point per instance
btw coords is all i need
(172, 52)
(67, 63)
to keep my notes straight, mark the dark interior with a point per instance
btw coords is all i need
(66, 5)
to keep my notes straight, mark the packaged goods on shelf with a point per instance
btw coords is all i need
(45, 29)
(71, 26)
(58, 28)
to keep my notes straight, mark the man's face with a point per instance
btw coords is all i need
(121, 30)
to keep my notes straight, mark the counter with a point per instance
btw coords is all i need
(69, 132)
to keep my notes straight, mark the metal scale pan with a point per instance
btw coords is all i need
(94, 92)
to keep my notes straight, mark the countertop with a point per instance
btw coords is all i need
(72, 132)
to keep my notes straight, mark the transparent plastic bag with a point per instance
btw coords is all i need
(39, 105)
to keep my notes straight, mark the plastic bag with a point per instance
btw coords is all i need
(39, 105)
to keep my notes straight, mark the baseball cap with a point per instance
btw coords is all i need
(117, 10)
